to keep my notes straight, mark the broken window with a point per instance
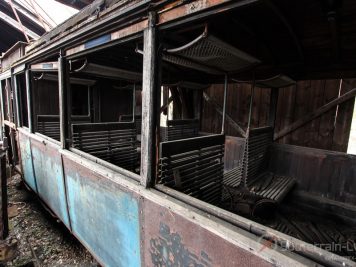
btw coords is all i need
(223, 147)
(45, 100)
(112, 135)
(5, 99)
(22, 99)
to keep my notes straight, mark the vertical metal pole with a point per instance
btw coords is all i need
(150, 89)
(250, 107)
(62, 88)
(165, 101)
(224, 106)
(273, 107)
(89, 102)
(134, 102)
(246, 159)
(29, 101)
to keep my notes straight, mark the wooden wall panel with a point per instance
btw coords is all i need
(329, 131)
(238, 99)
(45, 98)
(114, 103)
(326, 174)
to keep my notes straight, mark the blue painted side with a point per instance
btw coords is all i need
(49, 176)
(26, 161)
(98, 41)
(104, 218)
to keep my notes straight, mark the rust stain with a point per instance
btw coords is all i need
(169, 250)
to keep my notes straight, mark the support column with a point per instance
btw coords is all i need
(2, 112)
(12, 118)
(62, 88)
(8, 96)
(29, 101)
(150, 102)
(16, 97)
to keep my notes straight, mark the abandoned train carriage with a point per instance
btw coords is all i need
(113, 123)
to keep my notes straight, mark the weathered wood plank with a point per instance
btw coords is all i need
(299, 123)
(62, 87)
(150, 87)
(344, 117)
(29, 100)
(228, 117)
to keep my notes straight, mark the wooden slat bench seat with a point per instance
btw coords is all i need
(180, 129)
(252, 175)
(194, 166)
(49, 125)
(113, 142)
(272, 186)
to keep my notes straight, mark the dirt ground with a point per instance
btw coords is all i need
(42, 240)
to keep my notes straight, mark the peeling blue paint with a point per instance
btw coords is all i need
(49, 177)
(26, 160)
(105, 219)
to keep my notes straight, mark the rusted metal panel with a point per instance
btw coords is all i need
(177, 10)
(172, 240)
(26, 161)
(47, 165)
(104, 216)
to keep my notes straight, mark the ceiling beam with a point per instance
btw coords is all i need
(17, 25)
(29, 14)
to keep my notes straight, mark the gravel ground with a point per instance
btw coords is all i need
(42, 240)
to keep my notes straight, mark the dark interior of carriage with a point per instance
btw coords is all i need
(240, 163)
(249, 167)
(104, 102)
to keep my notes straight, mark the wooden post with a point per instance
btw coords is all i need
(68, 92)
(12, 118)
(29, 101)
(3, 198)
(150, 100)
(8, 96)
(16, 97)
(2, 112)
(62, 88)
